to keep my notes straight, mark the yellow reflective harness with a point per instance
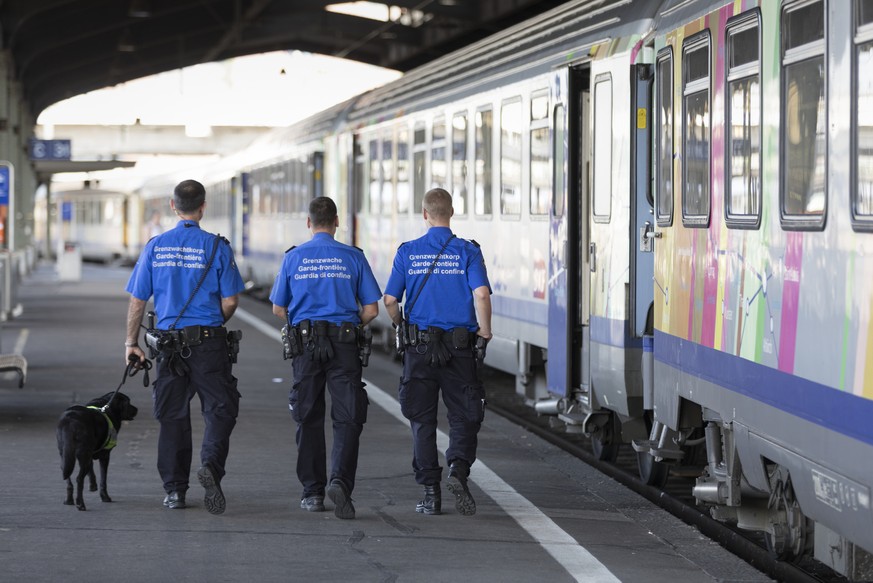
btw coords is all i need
(111, 433)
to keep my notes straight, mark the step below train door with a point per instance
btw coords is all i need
(568, 286)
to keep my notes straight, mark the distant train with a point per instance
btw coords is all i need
(675, 202)
(102, 223)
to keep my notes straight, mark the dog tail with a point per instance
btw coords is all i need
(68, 462)
(68, 443)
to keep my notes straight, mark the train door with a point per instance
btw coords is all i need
(567, 366)
(642, 202)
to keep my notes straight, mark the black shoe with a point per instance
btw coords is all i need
(175, 500)
(340, 496)
(432, 502)
(312, 503)
(457, 485)
(214, 497)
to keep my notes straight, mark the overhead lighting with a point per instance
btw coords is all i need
(370, 10)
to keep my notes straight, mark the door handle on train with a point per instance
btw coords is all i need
(647, 233)
(592, 257)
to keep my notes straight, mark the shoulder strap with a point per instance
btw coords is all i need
(199, 283)
(411, 303)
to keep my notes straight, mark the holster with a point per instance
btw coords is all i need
(292, 343)
(365, 343)
(233, 338)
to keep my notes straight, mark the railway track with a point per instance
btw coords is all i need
(675, 497)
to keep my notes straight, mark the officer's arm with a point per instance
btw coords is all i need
(369, 312)
(280, 311)
(482, 300)
(392, 307)
(228, 306)
(135, 310)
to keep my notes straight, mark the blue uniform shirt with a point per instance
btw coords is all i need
(324, 279)
(169, 268)
(446, 300)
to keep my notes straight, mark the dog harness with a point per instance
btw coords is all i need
(111, 433)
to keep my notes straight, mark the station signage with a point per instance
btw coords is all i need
(50, 149)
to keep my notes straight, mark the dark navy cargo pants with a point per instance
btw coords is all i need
(341, 375)
(464, 398)
(209, 377)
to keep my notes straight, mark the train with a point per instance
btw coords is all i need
(675, 203)
(101, 224)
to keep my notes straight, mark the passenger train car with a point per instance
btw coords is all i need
(102, 223)
(675, 201)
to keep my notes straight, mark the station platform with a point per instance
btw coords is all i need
(542, 515)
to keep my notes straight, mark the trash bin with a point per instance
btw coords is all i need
(70, 262)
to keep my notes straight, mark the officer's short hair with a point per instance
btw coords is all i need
(322, 212)
(438, 202)
(188, 196)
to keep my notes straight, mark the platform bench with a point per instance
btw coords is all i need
(17, 363)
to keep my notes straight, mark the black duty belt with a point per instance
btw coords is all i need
(459, 337)
(213, 332)
(345, 332)
(195, 332)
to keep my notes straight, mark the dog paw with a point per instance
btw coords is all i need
(81, 506)
(105, 498)
(68, 502)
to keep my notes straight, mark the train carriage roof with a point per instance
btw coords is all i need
(563, 34)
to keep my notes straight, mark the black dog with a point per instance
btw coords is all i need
(86, 433)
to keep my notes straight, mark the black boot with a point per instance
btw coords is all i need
(457, 485)
(432, 502)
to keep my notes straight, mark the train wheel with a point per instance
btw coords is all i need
(653, 473)
(787, 534)
(605, 443)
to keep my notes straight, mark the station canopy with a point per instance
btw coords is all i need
(63, 48)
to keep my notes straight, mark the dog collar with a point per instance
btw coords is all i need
(111, 433)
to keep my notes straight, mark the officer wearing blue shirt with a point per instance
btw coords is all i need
(192, 304)
(327, 292)
(447, 326)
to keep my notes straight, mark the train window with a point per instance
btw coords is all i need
(510, 157)
(804, 125)
(256, 192)
(300, 183)
(438, 167)
(360, 176)
(696, 131)
(560, 170)
(459, 163)
(375, 189)
(862, 199)
(482, 189)
(743, 139)
(664, 139)
(277, 182)
(388, 175)
(540, 172)
(295, 187)
(403, 195)
(602, 150)
(419, 160)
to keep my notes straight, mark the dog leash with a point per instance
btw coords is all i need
(130, 370)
